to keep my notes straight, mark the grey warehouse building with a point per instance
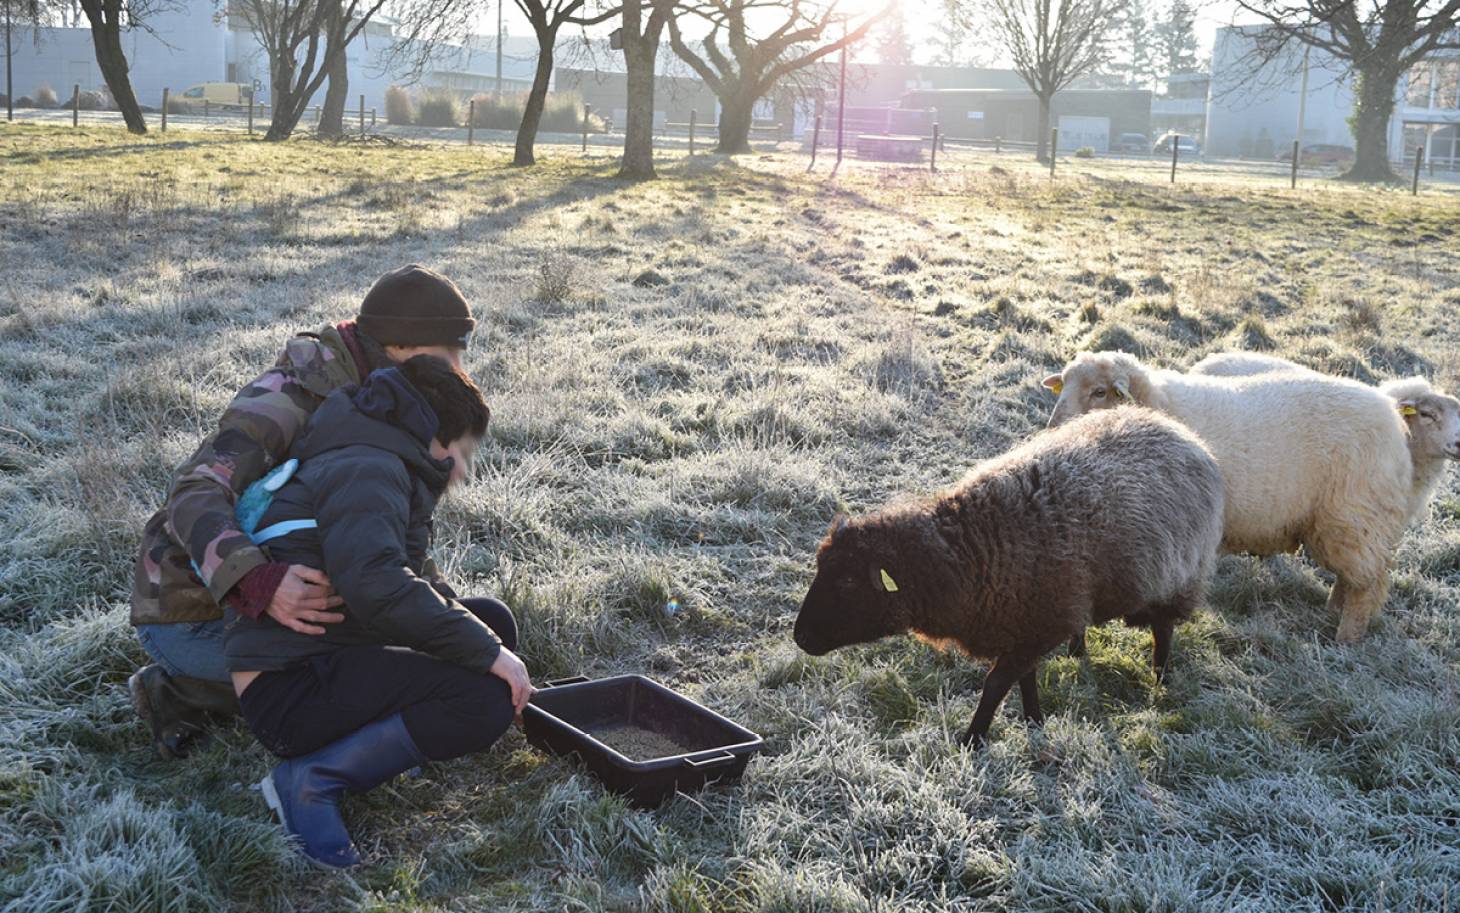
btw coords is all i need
(1085, 117)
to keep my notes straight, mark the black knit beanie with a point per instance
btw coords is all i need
(415, 306)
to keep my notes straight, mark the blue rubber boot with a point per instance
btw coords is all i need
(305, 792)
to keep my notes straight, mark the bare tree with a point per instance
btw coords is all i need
(332, 112)
(1052, 43)
(748, 68)
(547, 17)
(643, 24)
(893, 45)
(1378, 41)
(950, 39)
(107, 19)
(1175, 40)
(306, 39)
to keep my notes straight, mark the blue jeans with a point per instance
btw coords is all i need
(193, 649)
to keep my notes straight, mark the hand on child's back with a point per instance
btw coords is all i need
(303, 597)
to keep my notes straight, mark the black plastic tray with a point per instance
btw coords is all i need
(562, 718)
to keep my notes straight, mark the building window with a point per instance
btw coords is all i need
(1417, 93)
(1447, 84)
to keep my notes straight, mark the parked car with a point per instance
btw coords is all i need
(219, 94)
(1186, 146)
(1319, 154)
(1136, 143)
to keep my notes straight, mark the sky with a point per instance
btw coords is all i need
(921, 17)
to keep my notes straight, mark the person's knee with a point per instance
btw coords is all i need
(493, 712)
(472, 715)
(495, 614)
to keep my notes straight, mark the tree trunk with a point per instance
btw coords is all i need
(332, 115)
(1370, 122)
(536, 98)
(638, 161)
(1042, 152)
(737, 109)
(287, 108)
(106, 37)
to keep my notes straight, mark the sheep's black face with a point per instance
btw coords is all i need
(848, 603)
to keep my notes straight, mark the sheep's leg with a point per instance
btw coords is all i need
(1077, 644)
(1007, 670)
(1161, 646)
(1029, 697)
(1358, 606)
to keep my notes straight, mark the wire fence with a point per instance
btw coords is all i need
(932, 152)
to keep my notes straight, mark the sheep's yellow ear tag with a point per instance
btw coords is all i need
(1057, 387)
(1408, 410)
(888, 583)
(1122, 389)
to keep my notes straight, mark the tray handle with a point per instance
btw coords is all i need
(570, 680)
(719, 760)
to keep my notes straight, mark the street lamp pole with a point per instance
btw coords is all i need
(841, 101)
(1303, 97)
(499, 47)
(9, 50)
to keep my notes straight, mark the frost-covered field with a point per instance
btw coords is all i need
(688, 379)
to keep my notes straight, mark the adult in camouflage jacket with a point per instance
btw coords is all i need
(194, 556)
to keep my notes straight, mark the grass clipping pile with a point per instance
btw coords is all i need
(637, 743)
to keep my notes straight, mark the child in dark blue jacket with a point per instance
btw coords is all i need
(412, 673)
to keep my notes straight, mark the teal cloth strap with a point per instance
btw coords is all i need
(281, 529)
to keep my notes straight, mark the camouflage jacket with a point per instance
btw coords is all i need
(193, 552)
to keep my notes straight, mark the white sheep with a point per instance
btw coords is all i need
(1433, 421)
(1243, 364)
(1307, 459)
(1431, 418)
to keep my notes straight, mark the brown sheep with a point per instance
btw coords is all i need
(1117, 514)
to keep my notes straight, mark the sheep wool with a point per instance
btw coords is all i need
(1311, 460)
(1114, 515)
(1431, 418)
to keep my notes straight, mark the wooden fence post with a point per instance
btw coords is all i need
(933, 165)
(471, 122)
(164, 110)
(692, 131)
(1293, 181)
(998, 141)
(251, 102)
(587, 112)
(362, 116)
(1054, 144)
(75, 104)
(372, 118)
(1175, 150)
(206, 109)
(1419, 159)
(815, 138)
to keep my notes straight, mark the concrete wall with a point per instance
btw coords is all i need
(1255, 110)
(191, 46)
(63, 58)
(1014, 115)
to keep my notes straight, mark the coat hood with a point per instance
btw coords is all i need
(385, 412)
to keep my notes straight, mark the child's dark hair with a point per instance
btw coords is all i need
(457, 401)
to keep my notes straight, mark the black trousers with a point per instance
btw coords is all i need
(448, 710)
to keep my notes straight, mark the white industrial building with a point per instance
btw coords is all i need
(194, 43)
(1255, 112)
